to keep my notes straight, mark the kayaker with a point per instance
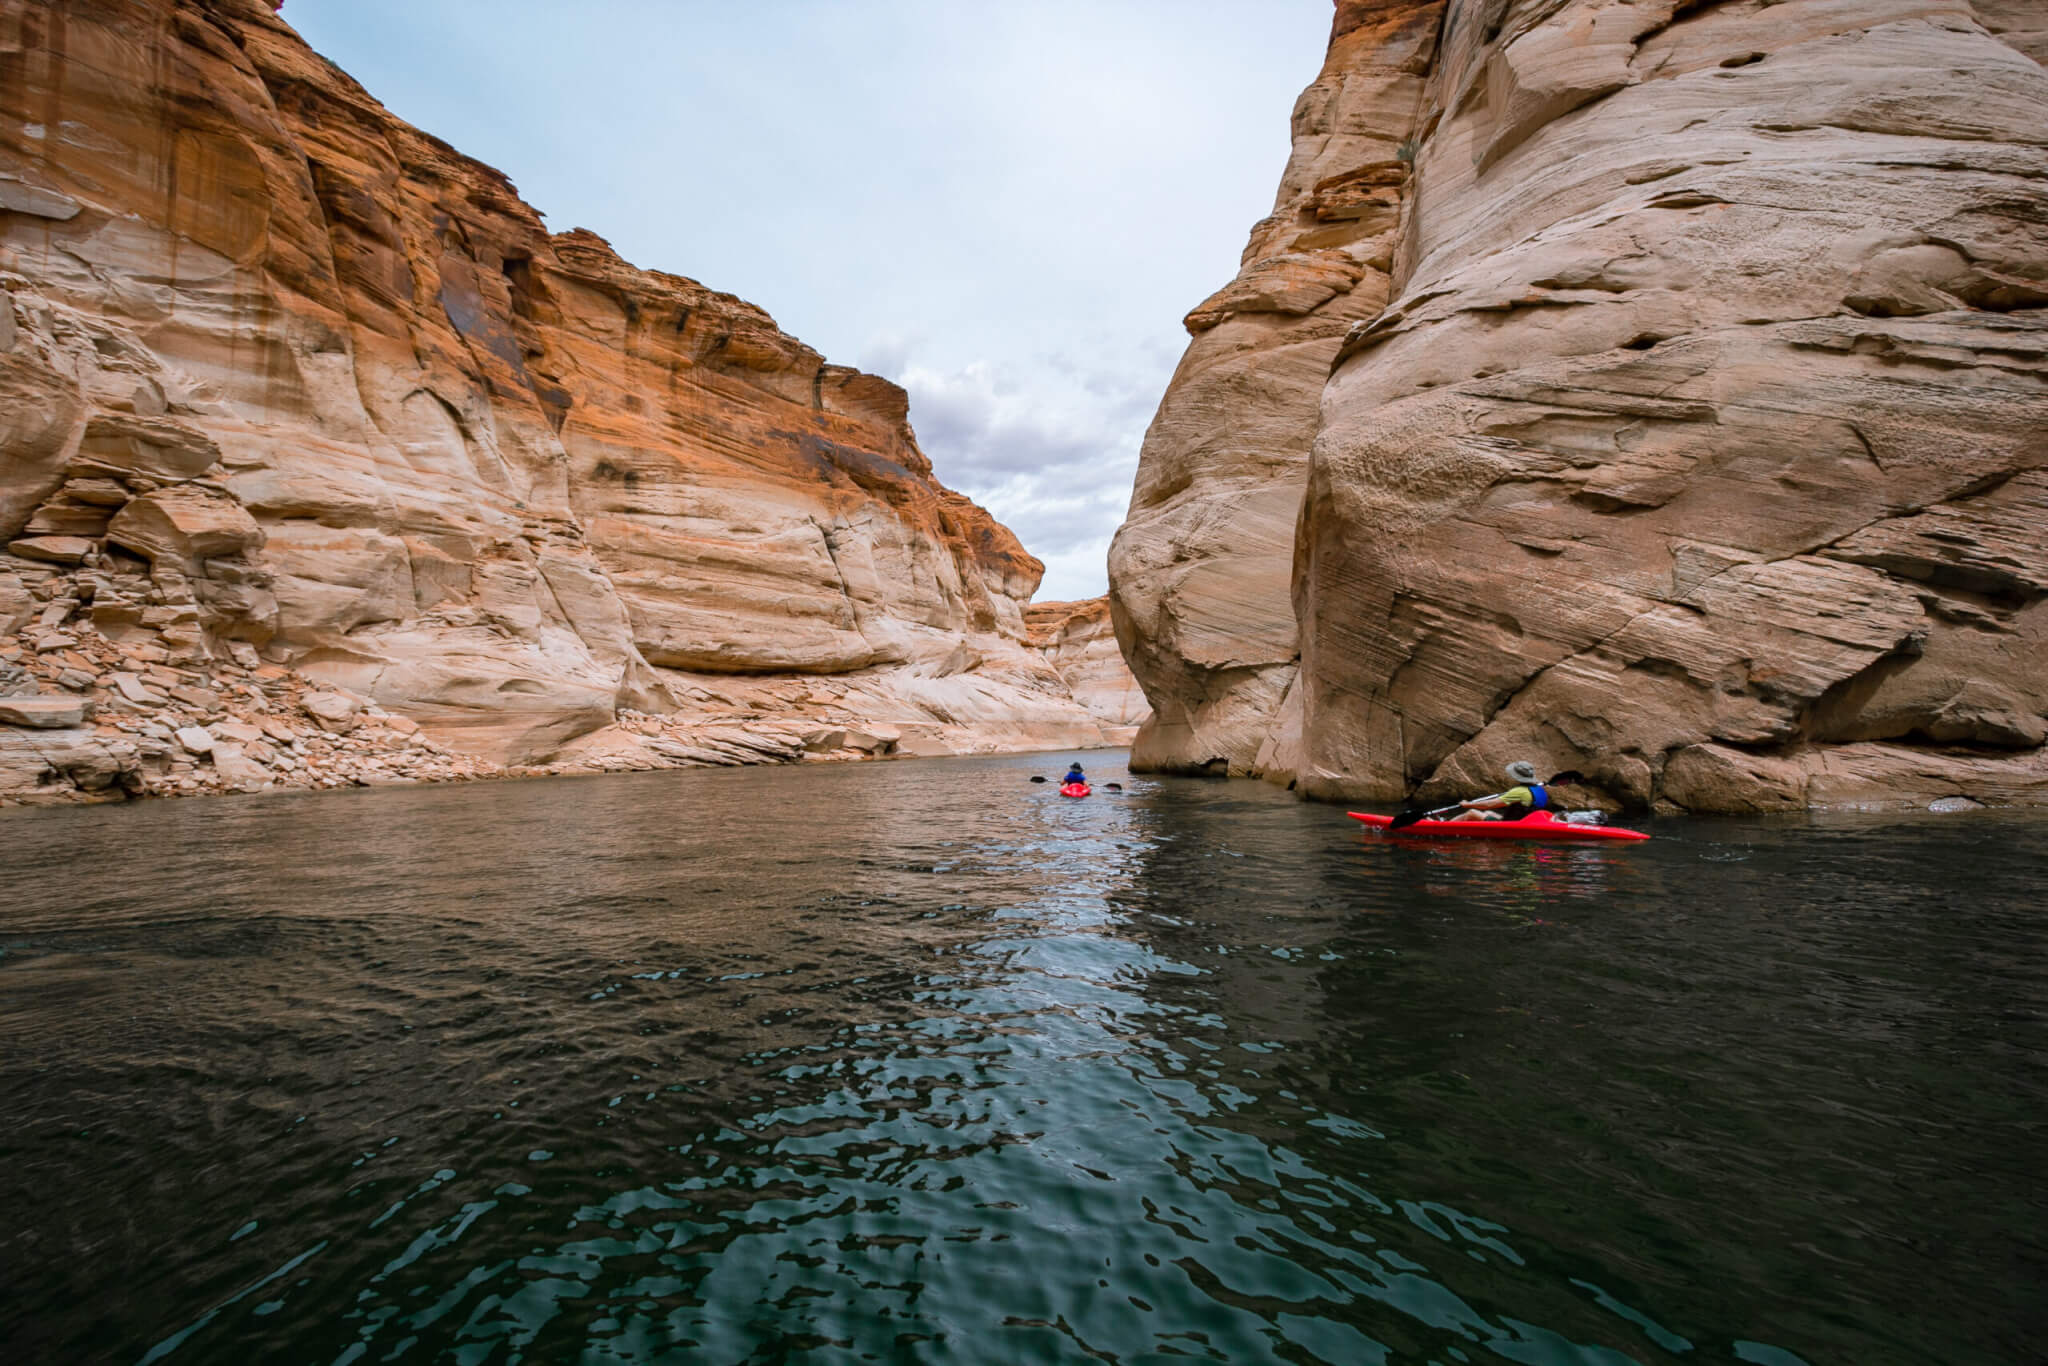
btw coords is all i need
(1527, 795)
(1074, 775)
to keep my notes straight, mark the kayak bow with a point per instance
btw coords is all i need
(1538, 825)
(1074, 789)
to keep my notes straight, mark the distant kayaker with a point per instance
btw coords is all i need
(1074, 775)
(1525, 796)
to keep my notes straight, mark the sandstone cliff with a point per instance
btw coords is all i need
(1201, 571)
(281, 373)
(1078, 640)
(1701, 444)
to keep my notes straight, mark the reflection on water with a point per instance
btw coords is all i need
(918, 1062)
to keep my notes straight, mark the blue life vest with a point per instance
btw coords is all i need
(1541, 794)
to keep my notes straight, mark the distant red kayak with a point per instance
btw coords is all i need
(1074, 789)
(1538, 825)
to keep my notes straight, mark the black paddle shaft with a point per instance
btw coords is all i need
(1409, 815)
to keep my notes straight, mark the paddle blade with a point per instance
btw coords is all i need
(1038, 780)
(1112, 787)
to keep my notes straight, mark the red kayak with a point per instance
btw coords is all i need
(1538, 825)
(1074, 789)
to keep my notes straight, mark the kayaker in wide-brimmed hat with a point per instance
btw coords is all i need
(1074, 775)
(1525, 796)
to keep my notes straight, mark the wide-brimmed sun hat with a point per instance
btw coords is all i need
(1522, 771)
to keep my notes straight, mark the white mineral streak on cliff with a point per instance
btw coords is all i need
(1701, 445)
(278, 370)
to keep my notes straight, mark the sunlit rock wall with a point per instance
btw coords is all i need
(1078, 640)
(279, 368)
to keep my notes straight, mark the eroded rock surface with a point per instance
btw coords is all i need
(1700, 444)
(1201, 571)
(1078, 640)
(279, 371)
(87, 719)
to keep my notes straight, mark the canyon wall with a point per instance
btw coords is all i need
(1701, 444)
(1201, 571)
(286, 381)
(1078, 640)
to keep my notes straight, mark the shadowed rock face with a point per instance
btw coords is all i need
(273, 356)
(1700, 446)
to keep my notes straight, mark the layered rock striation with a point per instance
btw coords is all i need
(279, 371)
(1078, 640)
(1201, 572)
(1702, 443)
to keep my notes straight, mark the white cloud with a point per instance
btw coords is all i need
(1056, 456)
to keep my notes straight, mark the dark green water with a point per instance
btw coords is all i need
(918, 1063)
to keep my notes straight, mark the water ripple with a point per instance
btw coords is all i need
(926, 1067)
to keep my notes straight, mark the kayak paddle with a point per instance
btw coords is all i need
(1409, 815)
(1106, 787)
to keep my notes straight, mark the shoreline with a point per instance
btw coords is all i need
(89, 720)
(515, 774)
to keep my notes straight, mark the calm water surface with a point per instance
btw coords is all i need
(919, 1063)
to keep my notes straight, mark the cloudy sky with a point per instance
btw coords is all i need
(1005, 207)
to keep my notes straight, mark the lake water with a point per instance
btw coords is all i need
(918, 1062)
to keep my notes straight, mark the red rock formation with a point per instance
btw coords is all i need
(279, 368)
(1699, 445)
